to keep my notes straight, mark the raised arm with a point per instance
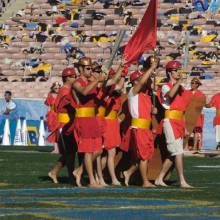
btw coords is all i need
(86, 90)
(137, 87)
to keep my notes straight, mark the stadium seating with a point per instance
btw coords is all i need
(35, 43)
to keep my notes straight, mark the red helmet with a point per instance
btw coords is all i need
(135, 74)
(174, 64)
(69, 71)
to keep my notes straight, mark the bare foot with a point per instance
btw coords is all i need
(102, 183)
(160, 183)
(116, 183)
(53, 177)
(95, 185)
(55, 152)
(185, 185)
(77, 175)
(127, 178)
(148, 184)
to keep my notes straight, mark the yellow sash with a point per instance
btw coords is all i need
(174, 114)
(217, 112)
(85, 112)
(101, 111)
(141, 123)
(112, 115)
(63, 117)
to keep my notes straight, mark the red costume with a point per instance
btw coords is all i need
(215, 102)
(112, 136)
(200, 119)
(63, 114)
(87, 131)
(175, 111)
(139, 137)
(50, 102)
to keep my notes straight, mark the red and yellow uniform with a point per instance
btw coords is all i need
(112, 136)
(139, 137)
(86, 129)
(173, 125)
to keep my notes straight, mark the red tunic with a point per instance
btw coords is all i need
(50, 102)
(64, 103)
(139, 140)
(87, 131)
(180, 102)
(215, 102)
(112, 137)
(200, 119)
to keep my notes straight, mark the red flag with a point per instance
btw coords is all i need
(145, 36)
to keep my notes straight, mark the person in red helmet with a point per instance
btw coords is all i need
(87, 131)
(62, 125)
(139, 137)
(174, 98)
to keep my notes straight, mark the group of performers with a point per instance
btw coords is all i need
(94, 117)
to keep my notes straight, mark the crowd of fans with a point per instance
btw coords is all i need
(66, 31)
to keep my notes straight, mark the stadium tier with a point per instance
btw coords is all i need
(39, 41)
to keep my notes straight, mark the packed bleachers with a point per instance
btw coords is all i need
(46, 36)
(3, 5)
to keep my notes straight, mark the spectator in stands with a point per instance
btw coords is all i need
(9, 105)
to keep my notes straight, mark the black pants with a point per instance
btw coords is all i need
(68, 149)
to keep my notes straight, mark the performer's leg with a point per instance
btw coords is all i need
(77, 173)
(143, 171)
(111, 166)
(100, 178)
(196, 140)
(56, 168)
(71, 149)
(118, 157)
(165, 168)
(89, 168)
(128, 173)
(56, 149)
(179, 167)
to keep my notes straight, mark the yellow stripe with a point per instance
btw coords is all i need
(85, 112)
(218, 112)
(63, 117)
(174, 114)
(112, 115)
(141, 123)
(101, 111)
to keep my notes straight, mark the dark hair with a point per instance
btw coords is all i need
(8, 93)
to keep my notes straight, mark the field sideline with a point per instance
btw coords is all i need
(27, 193)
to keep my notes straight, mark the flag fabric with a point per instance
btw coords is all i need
(145, 36)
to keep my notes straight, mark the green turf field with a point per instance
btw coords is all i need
(27, 193)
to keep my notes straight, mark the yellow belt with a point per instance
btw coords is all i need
(101, 111)
(112, 115)
(174, 114)
(63, 117)
(85, 112)
(141, 123)
(218, 112)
